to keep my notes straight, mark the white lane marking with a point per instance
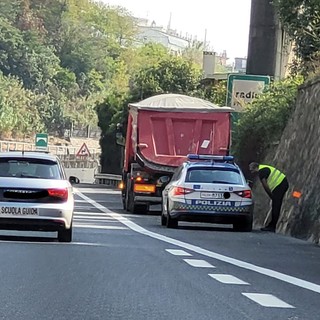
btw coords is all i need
(95, 219)
(56, 243)
(80, 201)
(97, 191)
(267, 300)
(178, 252)
(92, 226)
(198, 263)
(228, 279)
(97, 214)
(241, 264)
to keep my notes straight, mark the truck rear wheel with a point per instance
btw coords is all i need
(124, 203)
(136, 208)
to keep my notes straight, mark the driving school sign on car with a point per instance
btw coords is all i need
(243, 88)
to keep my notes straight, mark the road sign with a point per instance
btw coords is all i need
(41, 141)
(243, 88)
(83, 151)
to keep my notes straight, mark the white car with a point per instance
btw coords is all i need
(208, 189)
(35, 194)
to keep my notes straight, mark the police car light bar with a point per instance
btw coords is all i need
(209, 157)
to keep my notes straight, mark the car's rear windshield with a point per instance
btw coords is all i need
(29, 168)
(214, 175)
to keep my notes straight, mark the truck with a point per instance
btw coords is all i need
(161, 131)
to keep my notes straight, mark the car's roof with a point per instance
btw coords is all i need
(210, 164)
(27, 154)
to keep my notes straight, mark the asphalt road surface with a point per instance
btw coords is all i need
(123, 266)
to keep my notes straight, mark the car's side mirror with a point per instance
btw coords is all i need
(250, 183)
(120, 139)
(74, 180)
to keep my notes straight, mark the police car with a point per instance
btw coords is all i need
(208, 189)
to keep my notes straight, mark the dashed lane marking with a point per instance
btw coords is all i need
(267, 300)
(228, 279)
(178, 252)
(199, 263)
(238, 263)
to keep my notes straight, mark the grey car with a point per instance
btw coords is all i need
(35, 194)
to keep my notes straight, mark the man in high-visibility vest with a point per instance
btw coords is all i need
(276, 185)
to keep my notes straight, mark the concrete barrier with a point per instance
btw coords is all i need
(85, 175)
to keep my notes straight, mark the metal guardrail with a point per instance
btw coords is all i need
(107, 179)
(62, 151)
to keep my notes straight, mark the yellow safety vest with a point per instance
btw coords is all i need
(275, 177)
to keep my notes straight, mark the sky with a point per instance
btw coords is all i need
(226, 22)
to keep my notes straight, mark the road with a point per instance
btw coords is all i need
(123, 266)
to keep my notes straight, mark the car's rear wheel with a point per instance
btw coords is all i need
(243, 226)
(171, 223)
(65, 235)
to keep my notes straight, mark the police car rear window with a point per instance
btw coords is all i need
(213, 175)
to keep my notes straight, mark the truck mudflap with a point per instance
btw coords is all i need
(147, 199)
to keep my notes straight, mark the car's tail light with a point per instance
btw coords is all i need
(61, 194)
(179, 191)
(244, 194)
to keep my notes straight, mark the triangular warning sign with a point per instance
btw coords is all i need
(83, 151)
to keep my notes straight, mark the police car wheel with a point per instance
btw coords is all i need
(244, 226)
(171, 223)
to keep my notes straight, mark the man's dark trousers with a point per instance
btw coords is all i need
(277, 198)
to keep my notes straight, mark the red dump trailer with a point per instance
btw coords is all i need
(161, 132)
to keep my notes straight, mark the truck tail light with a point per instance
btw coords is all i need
(179, 191)
(121, 185)
(244, 194)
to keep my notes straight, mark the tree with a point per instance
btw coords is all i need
(171, 75)
(18, 109)
(301, 19)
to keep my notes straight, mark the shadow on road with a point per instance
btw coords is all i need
(26, 239)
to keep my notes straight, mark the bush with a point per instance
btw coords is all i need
(263, 121)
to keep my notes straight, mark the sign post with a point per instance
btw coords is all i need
(83, 151)
(41, 141)
(243, 88)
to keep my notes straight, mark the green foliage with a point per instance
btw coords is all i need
(214, 92)
(66, 54)
(263, 121)
(18, 109)
(301, 19)
(171, 75)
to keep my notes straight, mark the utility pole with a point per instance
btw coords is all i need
(262, 39)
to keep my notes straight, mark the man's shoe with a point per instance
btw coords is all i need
(269, 229)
